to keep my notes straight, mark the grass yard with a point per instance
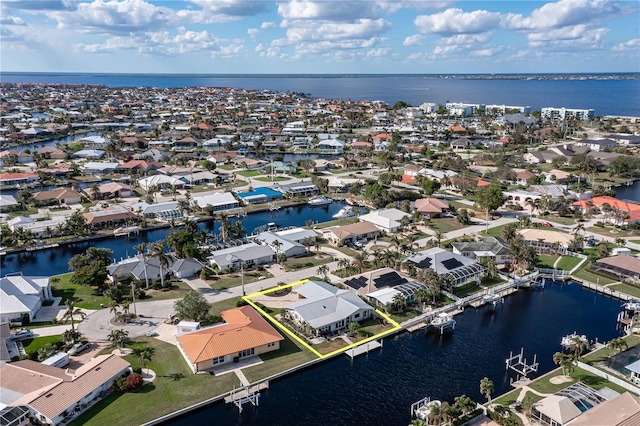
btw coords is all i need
(344, 249)
(629, 289)
(31, 346)
(86, 297)
(568, 262)
(546, 261)
(224, 282)
(310, 260)
(274, 179)
(290, 355)
(446, 224)
(618, 232)
(634, 241)
(338, 222)
(579, 375)
(177, 291)
(492, 281)
(466, 290)
(404, 315)
(586, 274)
(175, 387)
(330, 346)
(250, 173)
(508, 398)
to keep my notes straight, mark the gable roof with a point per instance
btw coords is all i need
(621, 411)
(431, 205)
(243, 329)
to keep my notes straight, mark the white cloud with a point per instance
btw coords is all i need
(564, 13)
(578, 36)
(360, 29)
(633, 44)
(335, 10)
(11, 20)
(253, 32)
(413, 40)
(267, 24)
(237, 8)
(457, 21)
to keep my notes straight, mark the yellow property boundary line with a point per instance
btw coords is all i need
(247, 299)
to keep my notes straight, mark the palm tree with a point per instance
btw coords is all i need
(439, 235)
(71, 336)
(566, 361)
(399, 301)
(617, 345)
(71, 312)
(360, 261)
(142, 249)
(157, 250)
(578, 228)
(621, 242)
(435, 414)
(144, 357)
(276, 244)
(113, 308)
(486, 388)
(118, 337)
(323, 270)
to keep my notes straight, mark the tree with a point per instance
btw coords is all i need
(118, 337)
(192, 307)
(323, 270)
(566, 361)
(489, 198)
(90, 268)
(71, 336)
(134, 381)
(113, 308)
(145, 356)
(157, 250)
(71, 312)
(486, 388)
(578, 345)
(617, 345)
(464, 217)
(360, 261)
(142, 249)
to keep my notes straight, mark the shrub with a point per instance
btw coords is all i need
(121, 383)
(241, 302)
(133, 382)
(137, 370)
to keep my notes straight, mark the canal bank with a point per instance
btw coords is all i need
(379, 387)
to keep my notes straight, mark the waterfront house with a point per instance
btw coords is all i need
(38, 228)
(185, 268)
(163, 211)
(112, 190)
(387, 220)
(159, 182)
(134, 267)
(431, 207)
(54, 395)
(623, 410)
(243, 334)
(57, 196)
(22, 295)
(109, 217)
(18, 178)
(554, 410)
(200, 178)
(98, 168)
(11, 157)
(455, 268)
(135, 166)
(545, 241)
(621, 266)
(259, 195)
(613, 210)
(486, 248)
(325, 308)
(232, 258)
(52, 153)
(89, 154)
(331, 145)
(352, 233)
(383, 285)
(287, 247)
(298, 189)
(218, 201)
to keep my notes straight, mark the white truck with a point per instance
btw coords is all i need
(60, 360)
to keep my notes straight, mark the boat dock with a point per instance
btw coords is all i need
(518, 363)
(363, 348)
(245, 394)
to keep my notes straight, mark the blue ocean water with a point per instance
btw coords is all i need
(619, 95)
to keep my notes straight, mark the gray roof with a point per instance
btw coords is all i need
(244, 253)
(185, 265)
(445, 263)
(493, 244)
(325, 304)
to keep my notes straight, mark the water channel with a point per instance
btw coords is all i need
(378, 388)
(55, 260)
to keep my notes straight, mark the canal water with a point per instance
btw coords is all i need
(379, 388)
(630, 193)
(56, 260)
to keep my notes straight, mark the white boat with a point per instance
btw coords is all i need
(443, 320)
(346, 211)
(424, 411)
(351, 202)
(128, 231)
(491, 297)
(569, 340)
(320, 201)
(632, 305)
(271, 226)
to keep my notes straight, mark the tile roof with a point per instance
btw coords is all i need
(243, 329)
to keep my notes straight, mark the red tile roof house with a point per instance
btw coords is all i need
(432, 207)
(622, 212)
(244, 333)
(58, 196)
(17, 178)
(410, 173)
(54, 395)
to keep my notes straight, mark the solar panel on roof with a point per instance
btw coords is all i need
(390, 279)
(424, 263)
(452, 264)
(356, 283)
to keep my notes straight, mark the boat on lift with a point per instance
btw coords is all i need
(320, 201)
(570, 340)
(491, 297)
(346, 211)
(632, 305)
(443, 321)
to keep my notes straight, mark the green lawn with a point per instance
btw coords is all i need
(546, 261)
(445, 225)
(578, 375)
(404, 315)
(290, 355)
(31, 346)
(466, 290)
(250, 173)
(629, 289)
(177, 291)
(492, 281)
(635, 241)
(274, 179)
(175, 387)
(85, 297)
(508, 398)
(330, 346)
(223, 282)
(568, 262)
(308, 261)
(586, 274)
(618, 233)
(338, 222)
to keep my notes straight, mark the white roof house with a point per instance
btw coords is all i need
(159, 181)
(248, 254)
(38, 228)
(218, 200)
(459, 269)
(297, 234)
(388, 220)
(327, 308)
(22, 295)
(7, 202)
(288, 247)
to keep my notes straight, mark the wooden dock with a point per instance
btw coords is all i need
(245, 394)
(363, 348)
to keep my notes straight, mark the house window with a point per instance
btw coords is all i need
(271, 344)
(246, 352)
(218, 360)
(357, 315)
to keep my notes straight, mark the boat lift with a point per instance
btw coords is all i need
(518, 363)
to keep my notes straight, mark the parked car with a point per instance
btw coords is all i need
(23, 333)
(547, 224)
(78, 347)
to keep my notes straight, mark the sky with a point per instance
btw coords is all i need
(319, 37)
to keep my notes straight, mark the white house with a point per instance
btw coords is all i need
(219, 201)
(22, 295)
(388, 220)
